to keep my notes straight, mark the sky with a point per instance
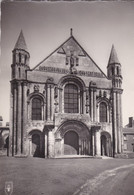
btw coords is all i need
(46, 25)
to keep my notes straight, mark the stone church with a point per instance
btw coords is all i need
(65, 105)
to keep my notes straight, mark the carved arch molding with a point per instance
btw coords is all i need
(81, 129)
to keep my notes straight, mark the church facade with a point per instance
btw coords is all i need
(65, 105)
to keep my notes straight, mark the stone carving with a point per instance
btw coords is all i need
(55, 92)
(50, 80)
(65, 71)
(56, 106)
(36, 88)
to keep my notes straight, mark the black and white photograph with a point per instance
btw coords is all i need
(67, 98)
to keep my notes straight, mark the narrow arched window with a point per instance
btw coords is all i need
(71, 102)
(19, 57)
(103, 112)
(36, 109)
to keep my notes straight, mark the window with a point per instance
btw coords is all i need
(103, 112)
(71, 101)
(36, 109)
(19, 57)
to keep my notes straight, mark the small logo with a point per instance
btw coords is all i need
(8, 187)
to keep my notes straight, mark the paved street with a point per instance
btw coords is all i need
(36, 176)
(118, 181)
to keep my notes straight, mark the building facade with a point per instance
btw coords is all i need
(65, 105)
(128, 134)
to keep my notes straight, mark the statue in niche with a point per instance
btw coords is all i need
(55, 92)
(56, 106)
(36, 88)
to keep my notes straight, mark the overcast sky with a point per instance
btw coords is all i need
(96, 26)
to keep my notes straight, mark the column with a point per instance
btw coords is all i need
(11, 134)
(46, 144)
(51, 102)
(60, 101)
(98, 144)
(48, 102)
(91, 107)
(15, 114)
(94, 105)
(19, 119)
(30, 146)
(93, 143)
(50, 144)
(119, 124)
(114, 123)
(121, 121)
(24, 118)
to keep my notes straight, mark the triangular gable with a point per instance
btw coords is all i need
(60, 57)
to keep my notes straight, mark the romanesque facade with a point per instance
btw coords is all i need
(65, 105)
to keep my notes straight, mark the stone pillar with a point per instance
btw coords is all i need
(24, 134)
(52, 102)
(121, 133)
(30, 146)
(19, 118)
(46, 144)
(50, 144)
(93, 143)
(94, 105)
(98, 143)
(11, 134)
(15, 115)
(91, 105)
(60, 101)
(114, 123)
(48, 102)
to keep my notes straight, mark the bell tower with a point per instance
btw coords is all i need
(114, 74)
(20, 62)
(114, 69)
(18, 97)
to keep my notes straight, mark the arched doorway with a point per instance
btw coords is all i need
(103, 145)
(36, 145)
(71, 143)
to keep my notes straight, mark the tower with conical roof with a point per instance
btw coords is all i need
(20, 58)
(18, 115)
(114, 74)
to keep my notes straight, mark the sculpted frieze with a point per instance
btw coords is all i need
(65, 71)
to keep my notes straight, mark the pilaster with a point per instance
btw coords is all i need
(19, 118)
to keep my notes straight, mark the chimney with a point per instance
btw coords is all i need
(130, 121)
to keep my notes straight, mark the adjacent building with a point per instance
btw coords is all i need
(66, 105)
(128, 134)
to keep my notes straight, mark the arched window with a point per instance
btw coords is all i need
(19, 57)
(36, 109)
(71, 102)
(103, 112)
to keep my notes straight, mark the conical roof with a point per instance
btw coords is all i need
(113, 59)
(21, 44)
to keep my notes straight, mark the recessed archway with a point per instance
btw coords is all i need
(71, 143)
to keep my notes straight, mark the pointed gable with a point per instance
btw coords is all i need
(21, 44)
(113, 59)
(60, 60)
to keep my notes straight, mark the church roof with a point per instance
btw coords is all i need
(21, 44)
(113, 59)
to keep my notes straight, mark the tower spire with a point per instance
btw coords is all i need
(21, 44)
(113, 59)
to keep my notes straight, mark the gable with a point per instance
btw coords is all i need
(70, 56)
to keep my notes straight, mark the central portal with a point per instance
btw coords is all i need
(71, 143)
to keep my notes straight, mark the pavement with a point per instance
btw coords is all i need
(83, 176)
